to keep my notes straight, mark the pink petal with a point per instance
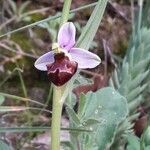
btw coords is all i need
(84, 58)
(66, 36)
(44, 60)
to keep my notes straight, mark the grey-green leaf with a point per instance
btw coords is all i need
(73, 116)
(92, 25)
(133, 143)
(110, 109)
(147, 148)
(81, 105)
(4, 146)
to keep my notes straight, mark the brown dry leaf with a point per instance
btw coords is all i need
(98, 82)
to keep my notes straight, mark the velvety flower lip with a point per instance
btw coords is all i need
(61, 70)
(66, 42)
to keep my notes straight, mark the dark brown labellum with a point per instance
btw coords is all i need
(61, 70)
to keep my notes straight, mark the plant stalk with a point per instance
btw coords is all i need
(65, 12)
(58, 93)
(56, 117)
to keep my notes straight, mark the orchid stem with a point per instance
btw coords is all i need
(56, 117)
(58, 93)
(65, 12)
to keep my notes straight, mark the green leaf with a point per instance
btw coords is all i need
(81, 105)
(140, 66)
(147, 136)
(90, 122)
(134, 78)
(4, 146)
(73, 116)
(147, 148)
(133, 94)
(2, 98)
(110, 109)
(36, 129)
(137, 80)
(133, 143)
(92, 25)
(67, 145)
(135, 103)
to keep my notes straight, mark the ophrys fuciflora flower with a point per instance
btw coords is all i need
(63, 61)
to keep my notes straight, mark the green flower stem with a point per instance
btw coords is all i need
(65, 12)
(56, 117)
(58, 93)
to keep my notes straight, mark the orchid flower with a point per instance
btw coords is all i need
(63, 61)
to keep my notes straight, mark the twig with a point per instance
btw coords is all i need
(7, 22)
(12, 59)
(48, 19)
(17, 52)
(90, 73)
(20, 98)
(35, 11)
